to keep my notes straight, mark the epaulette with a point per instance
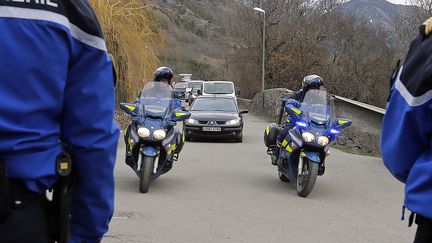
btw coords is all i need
(426, 28)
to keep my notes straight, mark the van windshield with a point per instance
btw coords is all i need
(219, 88)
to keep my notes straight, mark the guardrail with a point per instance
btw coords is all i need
(360, 104)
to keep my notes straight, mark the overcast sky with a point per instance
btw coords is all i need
(398, 1)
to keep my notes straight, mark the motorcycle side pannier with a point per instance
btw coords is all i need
(270, 134)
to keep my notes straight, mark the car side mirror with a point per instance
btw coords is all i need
(180, 116)
(237, 92)
(243, 112)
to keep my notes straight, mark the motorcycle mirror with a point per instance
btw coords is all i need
(180, 116)
(130, 109)
(293, 113)
(342, 123)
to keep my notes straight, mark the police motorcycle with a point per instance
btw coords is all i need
(154, 141)
(302, 153)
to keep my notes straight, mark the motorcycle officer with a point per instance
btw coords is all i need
(57, 87)
(309, 82)
(163, 75)
(407, 132)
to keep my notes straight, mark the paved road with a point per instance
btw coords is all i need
(229, 192)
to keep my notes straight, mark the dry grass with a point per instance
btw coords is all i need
(130, 30)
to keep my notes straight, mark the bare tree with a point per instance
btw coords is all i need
(353, 57)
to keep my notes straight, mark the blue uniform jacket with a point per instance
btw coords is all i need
(407, 127)
(56, 84)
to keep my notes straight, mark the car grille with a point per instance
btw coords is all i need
(209, 122)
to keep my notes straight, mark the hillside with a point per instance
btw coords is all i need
(377, 12)
(199, 37)
(196, 34)
(353, 45)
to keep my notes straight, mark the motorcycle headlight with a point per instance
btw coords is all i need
(323, 141)
(234, 122)
(159, 134)
(192, 121)
(143, 132)
(308, 137)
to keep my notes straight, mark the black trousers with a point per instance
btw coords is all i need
(424, 230)
(28, 220)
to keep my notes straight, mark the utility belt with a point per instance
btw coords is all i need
(13, 195)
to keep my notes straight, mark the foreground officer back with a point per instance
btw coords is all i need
(407, 131)
(56, 84)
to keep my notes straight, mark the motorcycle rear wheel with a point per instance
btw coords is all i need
(146, 173)
(306, 181)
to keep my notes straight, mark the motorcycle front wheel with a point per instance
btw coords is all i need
(307, 178)
(146, 173)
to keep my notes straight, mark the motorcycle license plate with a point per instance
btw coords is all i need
(212, 129)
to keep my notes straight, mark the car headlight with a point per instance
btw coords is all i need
(308, 137)
(323, 141)
(159, 134)
(192, 121)
(143, 132)
(234, 122)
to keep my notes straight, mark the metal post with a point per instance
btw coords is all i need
(263, 55)
(263, 60)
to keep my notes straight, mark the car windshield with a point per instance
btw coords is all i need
(194, 91)
(219, 88)
(182, 85)
(195, 85)
(214, 104)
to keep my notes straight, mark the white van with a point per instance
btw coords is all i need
(194, 84)
(219, 88)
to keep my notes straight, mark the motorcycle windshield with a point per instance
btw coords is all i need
(317, 107)
(155, 99)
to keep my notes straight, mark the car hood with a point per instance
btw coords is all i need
(214, 115)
